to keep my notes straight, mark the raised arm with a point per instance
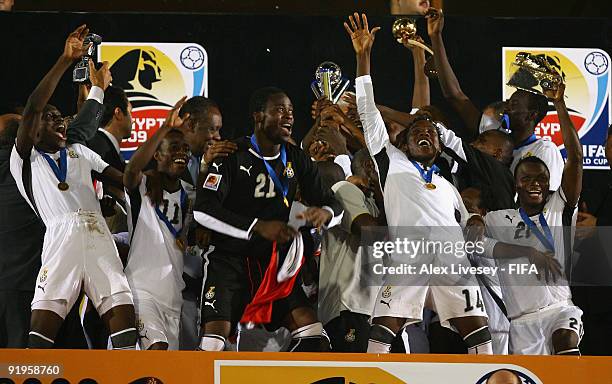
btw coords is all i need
(571, 181)
(133, 171)
(374, 130)
(85, 124)
(420, 90)
(33, 111)
(446, 76)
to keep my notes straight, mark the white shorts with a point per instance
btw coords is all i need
(449, 302)
(79, 252)
(531, 334)
(156, 323)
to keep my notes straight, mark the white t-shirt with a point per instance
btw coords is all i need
(155, 263)
(523, 292)
(548, 152)
(341, 283)
(407, 202)
(50, 200)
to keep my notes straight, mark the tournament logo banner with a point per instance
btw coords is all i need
(587, 96)
(154, 76)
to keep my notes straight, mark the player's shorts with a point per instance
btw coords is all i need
(349, 332)
(232, 282)
(79, 252)
(155, 323)
(531, 334)
(448, 302)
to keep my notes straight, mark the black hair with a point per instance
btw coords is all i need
(419, 117)
(330, 173)
(530, 160)
(9, 133)
(173, 131)
(260, 98)
(538, 103)
(198, 106)
(359, 159)
(114, 97)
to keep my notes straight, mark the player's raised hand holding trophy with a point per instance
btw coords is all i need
(404, 30)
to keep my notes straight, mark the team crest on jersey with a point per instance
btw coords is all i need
(140, 325)
(289, 172)
(387, 292)
(43, 275)
(350, 336)
(211, 293)
(72, 154)
(527, 154)
(212, 182)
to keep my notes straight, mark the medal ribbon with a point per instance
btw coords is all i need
(426, 175)
(528, 141)
(545, 238)
(61, 171)
(163, 217)
(281, 185)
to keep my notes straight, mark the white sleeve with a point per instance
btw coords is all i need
(451, 141)
(95, 161)
(374, 129)
(96, 93)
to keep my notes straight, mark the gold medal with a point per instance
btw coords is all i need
(430, 186)
(286, 202)
(180, 244)
(63, 186)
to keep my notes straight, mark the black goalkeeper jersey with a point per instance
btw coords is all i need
(238, 190)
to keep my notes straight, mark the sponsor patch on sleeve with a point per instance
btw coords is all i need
(212, 181)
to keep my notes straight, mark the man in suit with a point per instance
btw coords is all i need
(116, 125)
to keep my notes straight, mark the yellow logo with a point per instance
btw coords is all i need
(211, 293)
(289, 171)
(43, 275)
(350, 336)
(387, 292)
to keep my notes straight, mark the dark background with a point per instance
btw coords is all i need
(239, 60)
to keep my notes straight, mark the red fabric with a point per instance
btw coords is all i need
(259, 310)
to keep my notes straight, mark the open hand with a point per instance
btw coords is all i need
(174, 120)
(316, 216)
(360, 33)
(219, 149)
(546, 264)
(74, 48)
(100, 78)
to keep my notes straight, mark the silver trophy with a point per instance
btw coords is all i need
(329, 82)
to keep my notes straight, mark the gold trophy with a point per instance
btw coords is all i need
(404, 30)
(535, 73)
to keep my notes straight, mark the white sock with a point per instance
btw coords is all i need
(210, 342)
(380, 339)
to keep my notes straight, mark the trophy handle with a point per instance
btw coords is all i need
(421, 45)
(339, 90)
(315, 89)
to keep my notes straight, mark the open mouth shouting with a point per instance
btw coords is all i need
(286, 129)
(424, 143)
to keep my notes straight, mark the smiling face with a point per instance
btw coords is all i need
(420, 142)
(532, 182)
(173, 154)
(277, 118)
(52, 130)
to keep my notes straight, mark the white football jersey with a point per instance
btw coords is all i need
(407, 202)
(523, 292)
(548, 152)
(155, 262)
(48, 198)
(341, 283)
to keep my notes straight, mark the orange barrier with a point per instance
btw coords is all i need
(152, 367)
